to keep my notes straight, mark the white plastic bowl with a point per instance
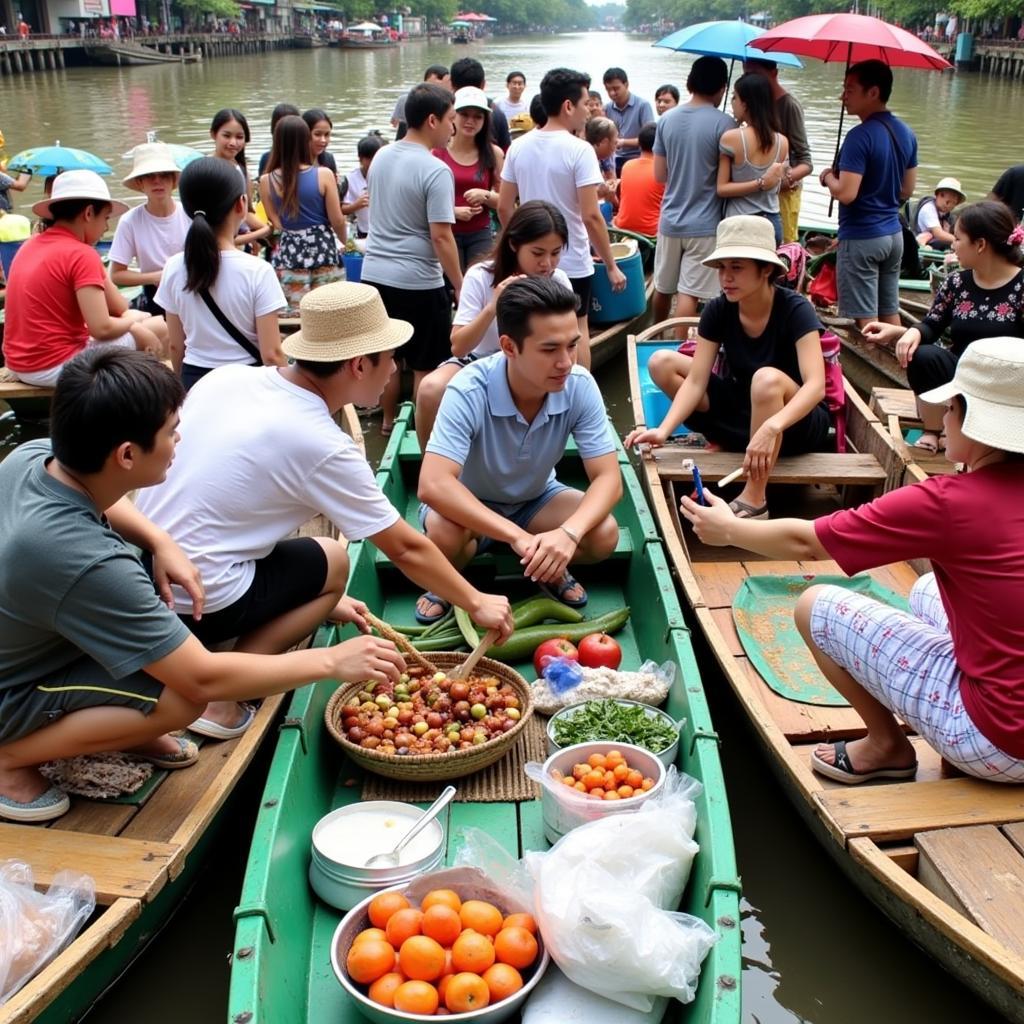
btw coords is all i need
(667, 756)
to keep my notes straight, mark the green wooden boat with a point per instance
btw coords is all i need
(281, 971)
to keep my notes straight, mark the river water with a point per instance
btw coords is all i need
(815, 949)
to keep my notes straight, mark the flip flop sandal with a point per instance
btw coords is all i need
(743, 510)
(429, 620)
(842, 769)
(49, 805)
(216, 731)
(188, 754)
(557, 591)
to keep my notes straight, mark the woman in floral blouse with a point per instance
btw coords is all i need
(984, 299)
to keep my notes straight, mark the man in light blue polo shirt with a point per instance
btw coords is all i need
(630, 114)
(488, 472)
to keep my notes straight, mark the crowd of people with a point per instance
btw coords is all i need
(100, 650)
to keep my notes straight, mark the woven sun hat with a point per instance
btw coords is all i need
(344, 320)
(990, 375)
(78, 185)
(745, 238)
(470, 97)
(151, 158)
(953, 185)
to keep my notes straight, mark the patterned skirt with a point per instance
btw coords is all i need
(306, 259)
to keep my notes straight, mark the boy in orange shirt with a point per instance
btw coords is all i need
(639, 194)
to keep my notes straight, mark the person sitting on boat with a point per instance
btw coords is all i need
(488, 471)
(281, 459)
(640, 192)
(984, 299)
(150, 234)
(59, 298)
(932, 224)
(952, 668)
(91, 657)
(772, 402)
(532, 244)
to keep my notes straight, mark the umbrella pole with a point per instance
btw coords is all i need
(839, 136)
(728, 83)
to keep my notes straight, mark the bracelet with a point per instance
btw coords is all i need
(573, 535)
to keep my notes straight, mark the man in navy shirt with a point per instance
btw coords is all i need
(877, 170)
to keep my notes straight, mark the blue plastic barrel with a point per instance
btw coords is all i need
(7, 251)
(607, 211)
(608, 307)
(353, 266)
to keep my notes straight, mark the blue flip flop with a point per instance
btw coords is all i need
(429, 620)
(557, 591)
(51, 804)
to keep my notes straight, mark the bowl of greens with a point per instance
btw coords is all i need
(617, 721)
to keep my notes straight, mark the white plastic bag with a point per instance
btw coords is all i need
(557, 1000)
(35, 927)
(649, 684)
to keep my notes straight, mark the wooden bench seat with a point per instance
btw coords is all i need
(819, 467)
(10, 388)
(898, 402)
(897, 408)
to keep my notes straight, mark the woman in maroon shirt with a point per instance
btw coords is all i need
(953, 667)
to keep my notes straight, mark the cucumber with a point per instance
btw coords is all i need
(440, 625)
(523, 642)
(469, 633)
(539, 609)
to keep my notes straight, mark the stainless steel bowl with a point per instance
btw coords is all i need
(667, 756)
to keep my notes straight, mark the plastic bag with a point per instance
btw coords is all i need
(649, 684)
(35, 927)
(557, 1000)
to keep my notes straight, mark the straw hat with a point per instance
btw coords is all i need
(151, 158)
(953, 185)
(344, 320)
(78, 185)
(745, 238)
(470, 97)
(990, 375)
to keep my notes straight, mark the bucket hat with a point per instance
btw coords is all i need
(469, 96)
(990, 375)
(150, 158)
(344, 320)
(953, 185)
(78, 185)
(745, 237)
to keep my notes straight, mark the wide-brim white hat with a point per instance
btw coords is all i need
(150, 158)
(78, 185)
(990, 376)
(745, 237)
(953, 185)
(344, 320)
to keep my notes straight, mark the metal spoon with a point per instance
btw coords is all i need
(381, 860)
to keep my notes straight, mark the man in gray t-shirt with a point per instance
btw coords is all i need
(686, 159)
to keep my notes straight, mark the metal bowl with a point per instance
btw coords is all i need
(667, 756)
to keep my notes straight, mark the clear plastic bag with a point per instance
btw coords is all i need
(34, 926)
(648, 684)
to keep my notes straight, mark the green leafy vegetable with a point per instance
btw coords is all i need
(616, 723)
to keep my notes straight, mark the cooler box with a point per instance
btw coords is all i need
(608, 307)
(353, 267)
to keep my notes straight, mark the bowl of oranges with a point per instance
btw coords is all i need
(449, 944)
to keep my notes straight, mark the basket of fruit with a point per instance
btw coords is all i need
(427, 727)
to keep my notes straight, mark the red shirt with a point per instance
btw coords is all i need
(468, 176)
(44, 325)
(971, 526)
(639, 196)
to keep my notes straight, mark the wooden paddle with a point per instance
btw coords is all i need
(490, 638)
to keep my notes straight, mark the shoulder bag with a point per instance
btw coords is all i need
(228, 326)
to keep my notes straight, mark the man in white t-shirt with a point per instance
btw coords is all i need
(243, 481)
(552, 163)
(515, 102)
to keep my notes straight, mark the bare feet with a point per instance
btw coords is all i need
(869, 755)
(22, 784)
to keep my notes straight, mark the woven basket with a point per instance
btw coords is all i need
(454, 764)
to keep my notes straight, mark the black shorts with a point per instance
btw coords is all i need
(583, 287)
(430, 313)
(293, 574)
(727, 422)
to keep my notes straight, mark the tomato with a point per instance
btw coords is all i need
(560, 647)
(599, 650)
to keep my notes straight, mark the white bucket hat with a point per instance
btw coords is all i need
(470, 97)
(150, 158)
(990, 375)
(344, 320)
(78, 185)
(745, 237)
(952, 185)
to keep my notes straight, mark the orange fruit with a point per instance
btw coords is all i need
(611, 795)
(646, 784)
(369, 960)
(383, 905)
(383, 989)
(634, 778)
(502, 981)
(481, 916)
(441, 923)
(614, 758)
(597, 761)
(465, 992)
(421, 958)
(472, 952)
(403, 924)
(598, 792)
(620, 771)
(416, 997)
(521, 921)
(442, 986)
(371, 933)
(594, 779)
(515, 946)
(625, 792)
(442, 897)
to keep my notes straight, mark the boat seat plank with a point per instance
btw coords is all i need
(845, 469)
(719, 581)
(900, 810)
(119, 867)
(899, 402)
(17, 389)
(978, 872)
(1015, 833)
(929, 763)
(95, 816)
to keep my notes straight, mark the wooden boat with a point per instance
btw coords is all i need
(941, 856)
(143, 852)
(280, 971)
(305, 41)
(117, 53)
(358, 42)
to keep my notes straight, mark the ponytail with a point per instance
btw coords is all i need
(209, 189)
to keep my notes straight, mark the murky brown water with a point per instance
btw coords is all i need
(815, 950)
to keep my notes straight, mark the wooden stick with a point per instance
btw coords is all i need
(490, 638)
(730, 477)
(401, 641)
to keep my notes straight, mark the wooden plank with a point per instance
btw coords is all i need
(118, 866)
(16, 389)
(829, 467)
(977, 871)
(1015, 833)
(929, 763)
(95, 816)
(718, 581)
(104, 933)
(904, 855)
(901, 810)
(899, 577)
(723, 619)
(898, 402)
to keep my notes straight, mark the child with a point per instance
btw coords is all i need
(603, 135)
(357, 198)
(149, 234)
(932, 222)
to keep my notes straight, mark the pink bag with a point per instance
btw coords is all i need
(835, 392)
